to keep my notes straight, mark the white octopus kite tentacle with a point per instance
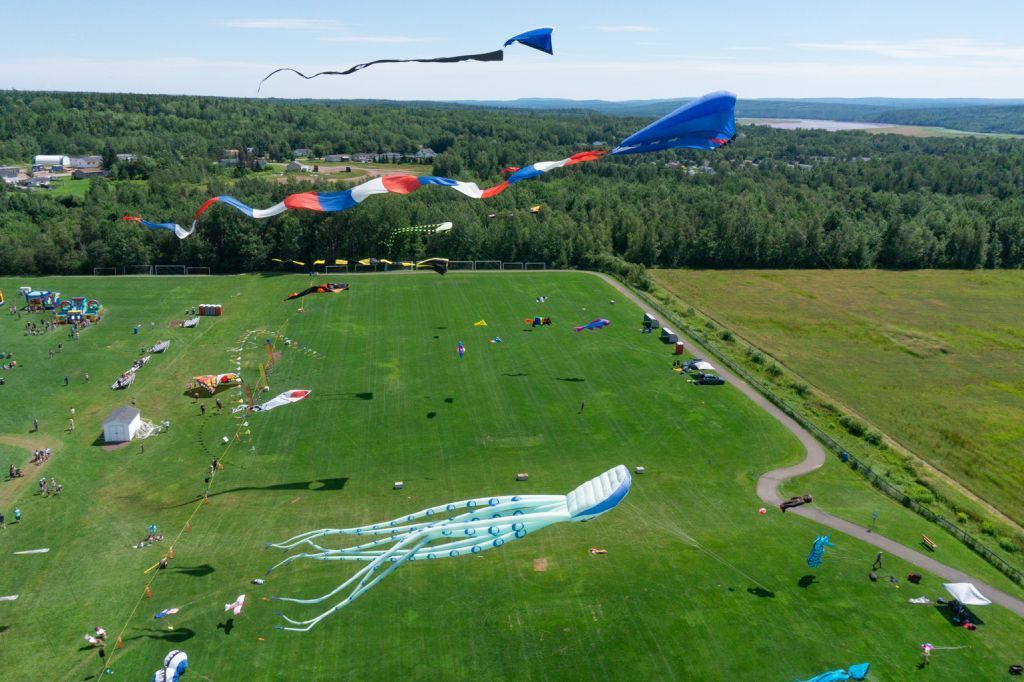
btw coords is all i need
(482, 524)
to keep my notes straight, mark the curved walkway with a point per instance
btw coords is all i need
(768, 484)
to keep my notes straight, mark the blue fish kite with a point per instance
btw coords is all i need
(705, 123)
(599, 323)
(818, 550)
(538, 39)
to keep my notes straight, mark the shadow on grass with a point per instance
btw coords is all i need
(807, 580)
(193, 571)
(221, 388)
(364, 395)
(325, 485)
(176, 636)
(573, 379)
(761, 592)
(431, 415)
(517, 374)
(227, 626)
(965, 615)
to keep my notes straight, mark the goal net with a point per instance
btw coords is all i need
(487, 265)
(168, 269)
(460, 265)
(511, 266)
(104, 271)
(335, 268)
(137, 270)
(199, 270)
(535, 266)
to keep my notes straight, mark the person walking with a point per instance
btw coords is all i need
(202, 408)
(72, 413)
(65, 379)
(71, 424)
(86, 377)
(35, 424)
(878, 562)
(220, 407)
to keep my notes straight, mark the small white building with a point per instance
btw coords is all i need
(51, 160)
(121, 425)
(336, 158)
(301, 152)
(668, 336)
(127, 158)
(296, 167)
(85, 162)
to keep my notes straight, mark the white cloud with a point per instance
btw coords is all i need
(630, 28)
(646, 43)
(930, 49)
(285, 24)
(371, 39)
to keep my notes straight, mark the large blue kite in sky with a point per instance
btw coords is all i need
(705, 123)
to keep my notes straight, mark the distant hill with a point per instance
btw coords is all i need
(977, 115)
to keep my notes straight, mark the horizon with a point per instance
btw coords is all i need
(756, 51)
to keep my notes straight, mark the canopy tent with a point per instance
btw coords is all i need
(703, 366)
(966, 593)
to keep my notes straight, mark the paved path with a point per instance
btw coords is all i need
(768, 484)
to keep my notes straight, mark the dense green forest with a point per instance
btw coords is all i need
(773, 198)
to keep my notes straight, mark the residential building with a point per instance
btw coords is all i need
(259, 163)
(127, 158)
(301, 152)
(85, 162)
(230, 153)
(89, 173)
(229, 162)
(9, 171)
(51, 160)
(336, 158)
(425, 154)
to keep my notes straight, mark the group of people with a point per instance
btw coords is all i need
(99, 639)
(150, 538)
(33, 329)
(40, 456)
(50, 489)
(14, 472)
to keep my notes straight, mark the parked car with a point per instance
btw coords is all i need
(710, 379)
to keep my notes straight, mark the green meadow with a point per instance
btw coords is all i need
(695, 584)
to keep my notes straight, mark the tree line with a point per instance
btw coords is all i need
(772, 199)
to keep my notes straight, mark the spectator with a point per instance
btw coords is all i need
(35, 424)
(65, 379)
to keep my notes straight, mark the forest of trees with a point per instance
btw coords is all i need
(772, 199)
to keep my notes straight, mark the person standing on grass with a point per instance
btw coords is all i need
(202, 409)
(2, 521)
(583, 404)
(219, 406)
(86, 377)
(71, 424)
(65, 379)
(35, 424)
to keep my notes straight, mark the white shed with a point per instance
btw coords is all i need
(651, 321)
(51, 160)
(121, 425)
(668, 336)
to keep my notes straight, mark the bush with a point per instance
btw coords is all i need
(988, 528)
(773, 370)
(756, 356)
(632, 273)
(800, 389)
(690, 312)
(962, 518)
(921, 495)
(1006, 543)
(853, 425)
(726, 335)
(873, 437)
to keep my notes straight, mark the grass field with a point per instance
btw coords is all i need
(695, 585)
(932, 358)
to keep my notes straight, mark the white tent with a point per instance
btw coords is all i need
(966, 593)
(704, 366)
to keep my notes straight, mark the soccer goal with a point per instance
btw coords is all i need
(460, 265)
(511, 266)
(104, 271)
(487, 265)
(336, 268)
(137, 270)
(168, 269)
(535, 266)
(197, 270)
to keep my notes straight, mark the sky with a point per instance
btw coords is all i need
(603, 50)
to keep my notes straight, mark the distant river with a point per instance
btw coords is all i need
(814, 124)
